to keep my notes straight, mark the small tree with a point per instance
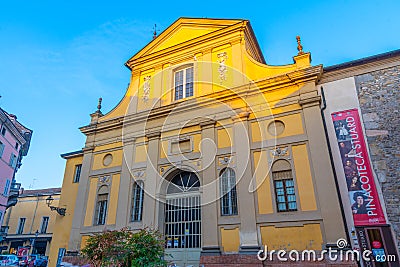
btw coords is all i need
(125, 248)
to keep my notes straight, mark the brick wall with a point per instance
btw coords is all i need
(380, 105)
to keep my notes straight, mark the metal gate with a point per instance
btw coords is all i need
(182, 221)
(182, 226)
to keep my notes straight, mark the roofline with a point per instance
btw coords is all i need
(256, 41)
(362, 61)
(12, 127)
(43, 192)
(126, 64)
(72, 154)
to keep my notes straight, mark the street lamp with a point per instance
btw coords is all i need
(33, 241)
(60, 211)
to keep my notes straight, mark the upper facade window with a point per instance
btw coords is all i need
(43, 226)
(1, 149)
(13, 160)
(183, 82)
(3, 131)
(21, 224)
(6, 188)
(77, 174)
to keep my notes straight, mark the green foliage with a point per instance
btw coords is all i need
(124, 248)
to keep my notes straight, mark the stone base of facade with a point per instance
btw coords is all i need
(236, 260)
(74, 261)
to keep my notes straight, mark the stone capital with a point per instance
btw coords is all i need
(153, 134)
(310, 101)
(207, 123)
(88, 149)
(242, 116)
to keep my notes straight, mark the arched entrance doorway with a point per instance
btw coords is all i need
(182, 226)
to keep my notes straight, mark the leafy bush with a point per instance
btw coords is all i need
(124, 248)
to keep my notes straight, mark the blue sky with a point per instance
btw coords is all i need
(58, 57)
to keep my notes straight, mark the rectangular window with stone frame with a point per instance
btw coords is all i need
(77, 173)
(228, 200)
(21, 225)
(183, 83)
(101, 209)
(284, 186)
(44, 225)
(137, 201)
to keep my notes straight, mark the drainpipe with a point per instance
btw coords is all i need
(34, 213)
(333, 165)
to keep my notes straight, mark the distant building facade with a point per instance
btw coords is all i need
(31, 222)
(14, 145)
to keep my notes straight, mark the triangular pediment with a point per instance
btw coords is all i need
(184, 30)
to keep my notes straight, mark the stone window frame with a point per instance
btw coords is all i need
(137, 204)
(288, 176)
(177, 141)
(101, 209)
(228, 196)
(183, 69)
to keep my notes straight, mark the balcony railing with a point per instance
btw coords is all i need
(13, 195)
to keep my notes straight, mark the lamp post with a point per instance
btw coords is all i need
(60, 211)
(33, 240)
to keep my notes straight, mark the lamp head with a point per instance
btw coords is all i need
(49, 200)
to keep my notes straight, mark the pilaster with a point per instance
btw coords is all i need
(246, 202)
(123, 208)
(81, 200)
(209, 196)
(152, 180)
(323, 174)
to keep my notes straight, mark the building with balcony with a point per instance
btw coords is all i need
(30, 223)
(14, 145)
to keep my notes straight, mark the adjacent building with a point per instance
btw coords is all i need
(30, 222)
(14, 145)
(220, 151)
(362, 102)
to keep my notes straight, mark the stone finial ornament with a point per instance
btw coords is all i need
(155, 32)
(299, 46)
(99, 105)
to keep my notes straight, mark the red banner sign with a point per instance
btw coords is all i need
(366, 207)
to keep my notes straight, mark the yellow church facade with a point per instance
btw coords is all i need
(218, 150)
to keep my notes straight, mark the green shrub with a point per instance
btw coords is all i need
(125, 248)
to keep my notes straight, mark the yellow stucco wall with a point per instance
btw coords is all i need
(264, 194)
(168, 51)
(63, 224)
(84, 240)
(304, 237)
(117, 156)
(230, 239)
(141, 153)
(293, 126)
(91, 202)
(225, 137)
(108, 146)
(112, 210)
(304, 178)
